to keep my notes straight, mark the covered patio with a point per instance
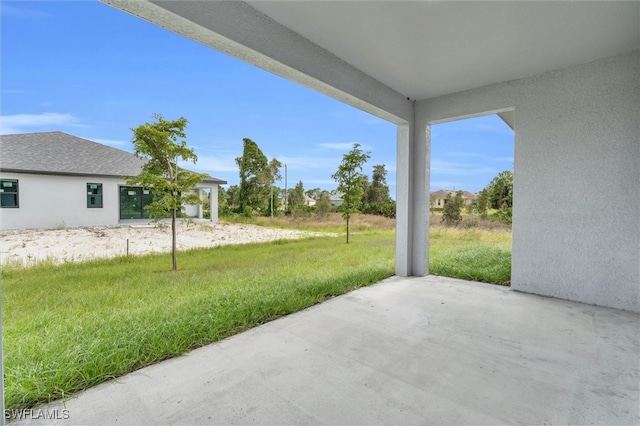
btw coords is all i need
(561, 346)
(420, 350)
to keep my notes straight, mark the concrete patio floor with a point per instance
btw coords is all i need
(426, 350)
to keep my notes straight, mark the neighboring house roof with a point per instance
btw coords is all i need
(336, 199)
(59, 153)
(443, 193)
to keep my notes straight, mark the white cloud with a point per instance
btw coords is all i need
(17, 123)
(13, 91)
(304, 162)
(22, 12)
(212, 164)
(224, 161)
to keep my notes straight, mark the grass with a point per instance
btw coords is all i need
(477, 250)
(69, 327)
(332, 223)
(474, 254)
(475, 263)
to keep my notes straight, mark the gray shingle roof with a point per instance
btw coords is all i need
(64, 154)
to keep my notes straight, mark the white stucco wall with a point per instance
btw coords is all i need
(48, 201)
(51, 201)
(577, 143)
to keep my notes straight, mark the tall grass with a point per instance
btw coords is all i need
(475, 263)
(474, 254)
(70, 327)
(332, 223)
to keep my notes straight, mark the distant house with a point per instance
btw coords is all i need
(308, 201)
(439, 198)
(336, 199)
(55, 179)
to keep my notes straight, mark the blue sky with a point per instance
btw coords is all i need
(87, 69)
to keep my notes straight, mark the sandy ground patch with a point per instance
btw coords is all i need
(80, 244)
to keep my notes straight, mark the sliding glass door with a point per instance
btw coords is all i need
(132, 202)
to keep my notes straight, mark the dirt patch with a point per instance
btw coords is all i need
(29, 247)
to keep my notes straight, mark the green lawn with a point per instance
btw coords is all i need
(72, 326)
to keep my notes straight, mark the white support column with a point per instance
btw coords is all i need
(403, 201)
(200, 208)
(213, 200)
(421, 173)
(412, 199)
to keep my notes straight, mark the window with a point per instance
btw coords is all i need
(9, 193)
(438, 201)
(94, 195)
(133, 199)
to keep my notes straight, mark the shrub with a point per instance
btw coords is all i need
(503, 215)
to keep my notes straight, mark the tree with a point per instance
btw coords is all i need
(224, 208)
(499, 195)
(376, 197)
(451, 215)
(483, 201)
(313, 193)
(254, 184)
(471, 206)
(273, 176)
(296, 198)
(162, 144)
(349, 178)
(500, 191)
(365, 189)
(233, 197)
(323, 205)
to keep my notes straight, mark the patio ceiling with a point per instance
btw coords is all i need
(427, 49)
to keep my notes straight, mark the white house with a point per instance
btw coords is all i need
(55, 179)
(439, 198)
(336, 199)
(563, 75)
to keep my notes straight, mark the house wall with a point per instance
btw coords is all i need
(47, 201)
(50, 201)
(576, 141)
(439, 202)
